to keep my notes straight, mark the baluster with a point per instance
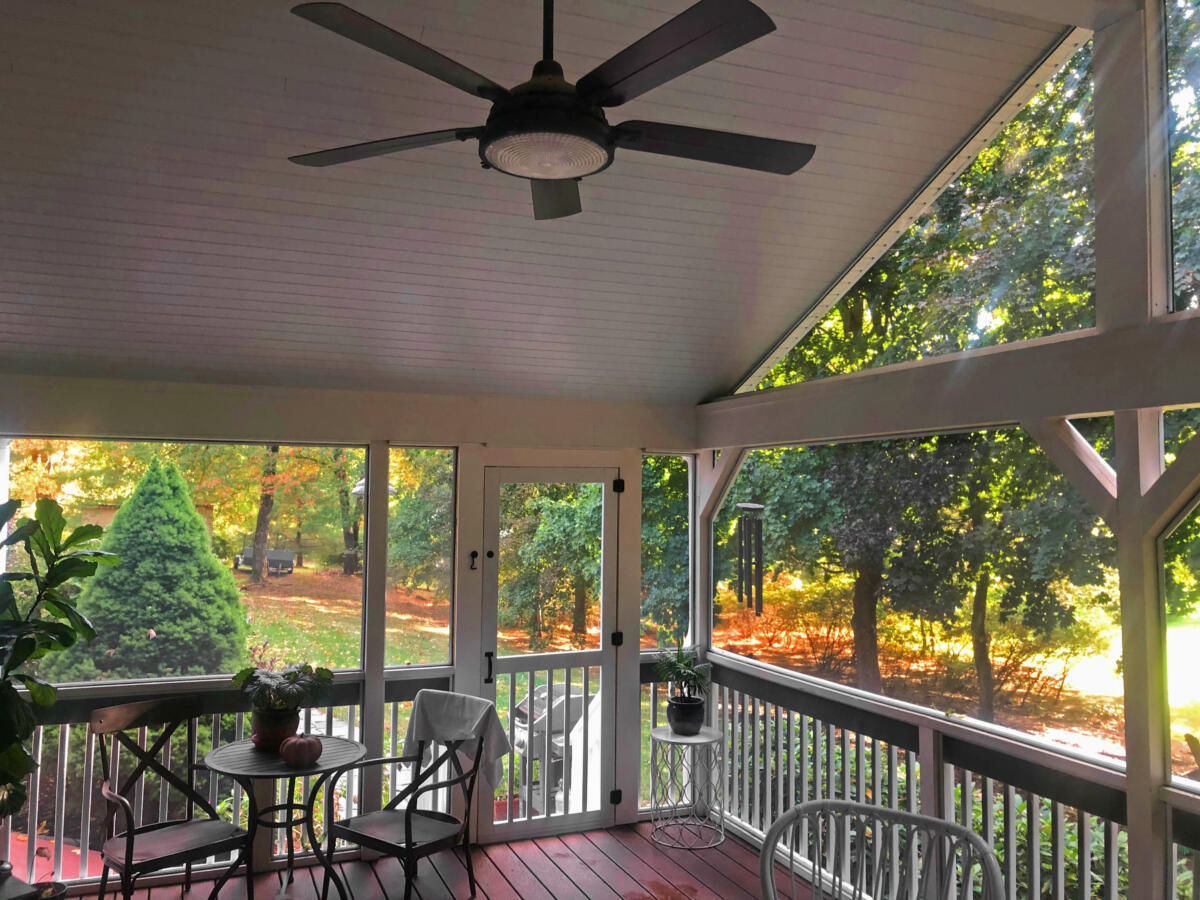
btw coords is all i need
(844, 746)
(988, 811)
(876, 775)
(1112, 859)
(1033, 838)
(508, 816)
(239, 724)
(526, 761)
(139, 788)
(860, 775)
(164, 789)
(545, 767)
(60, 799)
(31, 818)
(1010, 842)
(1058, 851)
(818, 745)
(1083, 856)
(755, 767)
(780, 779)
(790, 787)
(568, 706)
(85, 813)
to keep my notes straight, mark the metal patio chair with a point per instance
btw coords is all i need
(402, 829)
(853, 851)
(136, 849)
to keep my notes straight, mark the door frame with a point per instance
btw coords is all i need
(473, 459)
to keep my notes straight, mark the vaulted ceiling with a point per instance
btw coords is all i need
(152, 227)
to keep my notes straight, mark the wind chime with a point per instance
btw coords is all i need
(750, 557)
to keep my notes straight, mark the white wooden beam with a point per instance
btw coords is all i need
(1087, 373)
(1078, 460)
(1172, 492)
(714, 475)
(1132, 223)
(1147, 751)
(1087, 13)
(115, 408)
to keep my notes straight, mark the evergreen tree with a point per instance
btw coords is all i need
(172, 608)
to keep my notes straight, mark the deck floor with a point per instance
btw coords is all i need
(619, 862)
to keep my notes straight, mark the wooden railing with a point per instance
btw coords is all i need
(1055, 820)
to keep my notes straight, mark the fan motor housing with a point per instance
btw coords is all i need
(543, 131)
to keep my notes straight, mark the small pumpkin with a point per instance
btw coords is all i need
(300, 750)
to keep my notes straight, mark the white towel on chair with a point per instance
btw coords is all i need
(445, 716)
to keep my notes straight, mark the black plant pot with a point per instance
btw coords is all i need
(685, 715)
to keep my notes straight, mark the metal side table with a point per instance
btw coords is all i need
(245, 764)
(686, 809)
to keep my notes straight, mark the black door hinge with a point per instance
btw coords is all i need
(614, 797)
(618, 638)
(618, 485)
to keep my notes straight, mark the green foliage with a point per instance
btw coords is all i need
(1007, 252)
(421, 518)
(549, 558)
(682, 668)
(173, 608)
(37, 617)
(287, 690)
(666, 550)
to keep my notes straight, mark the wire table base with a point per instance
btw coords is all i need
(686, 810)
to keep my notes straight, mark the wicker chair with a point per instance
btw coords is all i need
(851, 851)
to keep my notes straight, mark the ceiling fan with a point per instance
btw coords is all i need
(553, 132)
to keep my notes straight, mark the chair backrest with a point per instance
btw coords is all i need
(449, 756)
(837, 849)
(120, 726)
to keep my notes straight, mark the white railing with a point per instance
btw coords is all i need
(59, 833)
(1056, 822)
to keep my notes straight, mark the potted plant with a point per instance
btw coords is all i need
(688, 679)
(276, 698)
(38, 616)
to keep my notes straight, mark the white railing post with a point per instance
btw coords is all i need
(374, 648)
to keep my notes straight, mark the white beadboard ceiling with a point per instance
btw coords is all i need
(152, 227)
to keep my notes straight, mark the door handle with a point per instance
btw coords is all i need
(474, 558)
(488, 655)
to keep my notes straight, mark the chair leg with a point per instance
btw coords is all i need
(187, 878)
(103, 882)
(470, 868)
(410, 875)
(126, 886)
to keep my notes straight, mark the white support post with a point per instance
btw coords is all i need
(1139, 465)
(714, 475)
(629, 622)
(1086, 469)
(374, 647)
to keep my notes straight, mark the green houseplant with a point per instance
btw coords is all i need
(688, 678)
(38, 617)
(276, 697)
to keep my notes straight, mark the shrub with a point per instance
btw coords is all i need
(172, 608)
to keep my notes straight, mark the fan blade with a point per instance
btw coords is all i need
(387, 145)
(366, 31)
(724, 147)
(555, 199)
(697, 35)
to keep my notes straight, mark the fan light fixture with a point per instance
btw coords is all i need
(546, 155)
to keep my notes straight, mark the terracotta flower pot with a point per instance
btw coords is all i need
(270, 728)
(685, 715)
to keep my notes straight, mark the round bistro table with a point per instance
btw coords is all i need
(245, 764)
(685, 788)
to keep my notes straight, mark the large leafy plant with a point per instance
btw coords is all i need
(682, 668)
(37, 617)
(286, 690)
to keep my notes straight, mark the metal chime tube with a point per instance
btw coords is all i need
(758, 566)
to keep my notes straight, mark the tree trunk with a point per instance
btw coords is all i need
(349, 524)
(299, 548)
(981, 644)
(579, 625)
(266, 505)
(868, 584)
